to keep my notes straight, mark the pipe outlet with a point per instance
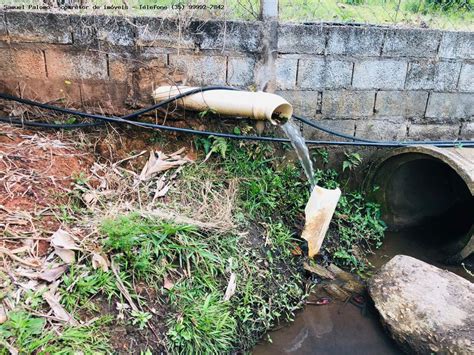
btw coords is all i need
(254, 105)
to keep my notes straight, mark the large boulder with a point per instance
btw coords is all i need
(425, 309)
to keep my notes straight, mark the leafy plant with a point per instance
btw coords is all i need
(27, 334)
(353, 160)
(141, 318)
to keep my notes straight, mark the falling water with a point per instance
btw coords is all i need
(299, 145)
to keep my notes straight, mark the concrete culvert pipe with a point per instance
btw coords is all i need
(255, 105)
(431, 189)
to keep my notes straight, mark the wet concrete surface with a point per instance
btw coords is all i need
(336, 328)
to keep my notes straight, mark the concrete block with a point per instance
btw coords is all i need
(433, 131)
(457, 45)
(467, 131)
(324, 73)
(342, 126)
(305, 103)
(201, 70)
(466, 80)
(38, 27)
(109, 96)
(285, 73)
(226, 36)
(407, 104)
(123, 63)
(347, 104)
(69, 64)
(301, 39)
(153, 31)
(351, 40)
(386, 129)
(22, 63)
(149, 75)
(97, 30)
(379, 74)
(432, 75)
(240, 71)
(450, 106)
(411, 43)
(45, 90)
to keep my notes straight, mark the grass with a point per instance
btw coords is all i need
(199, 265)
(452, 15)
(27, 334)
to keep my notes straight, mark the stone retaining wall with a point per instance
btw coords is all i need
(374, 82)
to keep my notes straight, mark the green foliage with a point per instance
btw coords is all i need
(352, 161)
(266, 190)
(200, 320)
(140, 318)
(27, 335)
(211, 145)
(204, 325)
(81, 283)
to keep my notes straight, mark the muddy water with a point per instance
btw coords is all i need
(340, 328)
(336, 328)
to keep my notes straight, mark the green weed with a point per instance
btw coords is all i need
(200, 320)
(27, 334)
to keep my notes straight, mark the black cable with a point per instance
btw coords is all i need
(126, 119)
(21, 122)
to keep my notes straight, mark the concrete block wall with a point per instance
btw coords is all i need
(367, 81)
(377, 82)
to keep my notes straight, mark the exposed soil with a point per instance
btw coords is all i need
(36, 172)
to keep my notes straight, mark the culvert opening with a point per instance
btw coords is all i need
(425, 201)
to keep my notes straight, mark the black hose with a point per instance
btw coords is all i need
(21, 122)
(126, 119)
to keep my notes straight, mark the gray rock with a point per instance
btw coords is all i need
(440, 76)
(425, 309)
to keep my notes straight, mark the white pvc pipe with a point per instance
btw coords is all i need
(255, 105)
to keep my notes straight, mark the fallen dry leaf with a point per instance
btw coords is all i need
(68, 256)
(159, 162)
(64, 246)
(63, 239)
(3, 314)
(231, 286)
(51, 275)
(53, 301)
(168, 283)
(99, 261)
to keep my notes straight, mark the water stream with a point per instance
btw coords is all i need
(299, 145)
